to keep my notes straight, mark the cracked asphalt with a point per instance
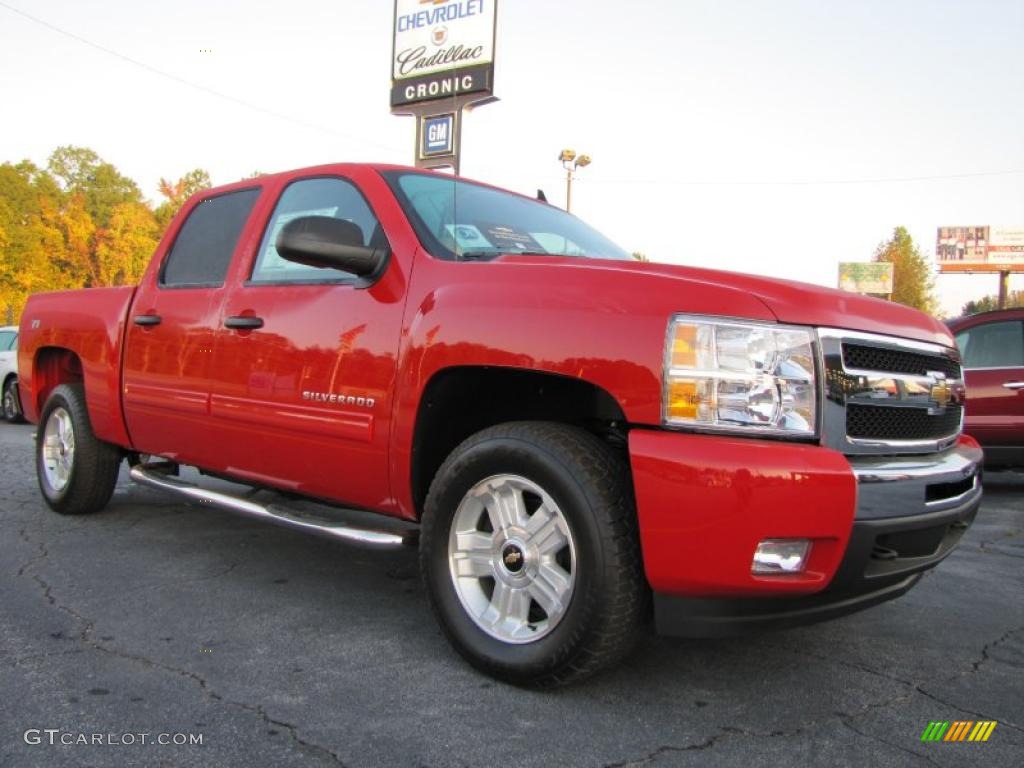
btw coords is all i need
(159, 617)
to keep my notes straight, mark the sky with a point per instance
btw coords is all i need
(776, 138)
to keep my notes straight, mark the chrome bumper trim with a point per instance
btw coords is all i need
(897, 486)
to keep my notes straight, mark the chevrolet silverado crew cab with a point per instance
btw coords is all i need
(575, 439)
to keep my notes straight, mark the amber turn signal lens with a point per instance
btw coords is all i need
(683, 399)
(684, 347)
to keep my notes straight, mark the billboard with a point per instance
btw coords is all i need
(981, 246)
(866, 277)
(442, 48)
(1006, 245)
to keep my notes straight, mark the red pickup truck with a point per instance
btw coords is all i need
(574, 438)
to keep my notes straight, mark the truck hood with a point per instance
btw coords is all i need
(789, 301)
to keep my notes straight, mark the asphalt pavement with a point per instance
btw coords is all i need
(183, 623)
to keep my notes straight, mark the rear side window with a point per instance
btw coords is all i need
(993, 345)
(7, 340)
(202, 251)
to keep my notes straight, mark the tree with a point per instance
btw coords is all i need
(912, 282)
(81, 171)
(988, 303)
(76, 223)
(124, 248)
(177, 192)
(30, 205)
(640, 256)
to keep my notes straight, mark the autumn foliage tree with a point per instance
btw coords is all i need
(912, 282)
(177, 192)
(78, 223)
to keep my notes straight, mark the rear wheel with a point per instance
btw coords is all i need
(11, 402)
(529, 553)
(77, 471)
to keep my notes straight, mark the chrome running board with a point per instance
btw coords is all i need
(385, 536)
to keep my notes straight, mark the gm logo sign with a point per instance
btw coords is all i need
(437, 135)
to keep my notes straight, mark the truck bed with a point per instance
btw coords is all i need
(91, 324)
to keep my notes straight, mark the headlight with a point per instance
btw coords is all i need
(741, 377)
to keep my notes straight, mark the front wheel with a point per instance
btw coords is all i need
(11, 402)
(529, 553)
(77, 471)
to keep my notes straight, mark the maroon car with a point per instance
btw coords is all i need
(992, 345)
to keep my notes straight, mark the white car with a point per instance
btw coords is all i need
(9, 373)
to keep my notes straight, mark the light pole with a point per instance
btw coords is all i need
(572, 163)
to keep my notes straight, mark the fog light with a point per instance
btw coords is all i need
(780, 556)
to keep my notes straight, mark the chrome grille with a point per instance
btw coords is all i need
(879, 422)
(887, 395)
(866, 358)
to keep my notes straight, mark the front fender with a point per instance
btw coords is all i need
(571, 317)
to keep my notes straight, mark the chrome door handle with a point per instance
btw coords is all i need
(1014, 385)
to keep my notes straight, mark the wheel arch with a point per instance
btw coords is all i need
(51, 367)
(459, 401)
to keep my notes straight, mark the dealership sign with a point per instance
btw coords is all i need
(866, 277)
(442, 49)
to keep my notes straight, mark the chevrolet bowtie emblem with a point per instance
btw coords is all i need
(941, 394)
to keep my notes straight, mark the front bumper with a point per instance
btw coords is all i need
(705, 502)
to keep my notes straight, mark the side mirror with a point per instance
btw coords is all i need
(325, 242)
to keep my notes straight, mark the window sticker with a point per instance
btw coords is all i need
(467, 237)
(510, 240)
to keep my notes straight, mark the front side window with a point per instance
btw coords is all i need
(7, 340)
(332, 197)
(459, 220)
(204, 246)
(993, 345)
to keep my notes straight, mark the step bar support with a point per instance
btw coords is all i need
(376, 538)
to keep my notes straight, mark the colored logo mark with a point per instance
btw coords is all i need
(958, 730)
(438, 135)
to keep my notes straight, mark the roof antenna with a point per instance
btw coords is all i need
(541, 196)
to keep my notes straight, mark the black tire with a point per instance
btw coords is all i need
(12, 402)
(94, 464)
(591, 485)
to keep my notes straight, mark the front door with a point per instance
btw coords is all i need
(304, 367)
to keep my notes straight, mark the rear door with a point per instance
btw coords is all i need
(171, 332)
(304, 368)
(993, 359)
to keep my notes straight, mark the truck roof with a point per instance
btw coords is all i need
(343, 169)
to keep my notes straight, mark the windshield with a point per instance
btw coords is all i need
(460, 220)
